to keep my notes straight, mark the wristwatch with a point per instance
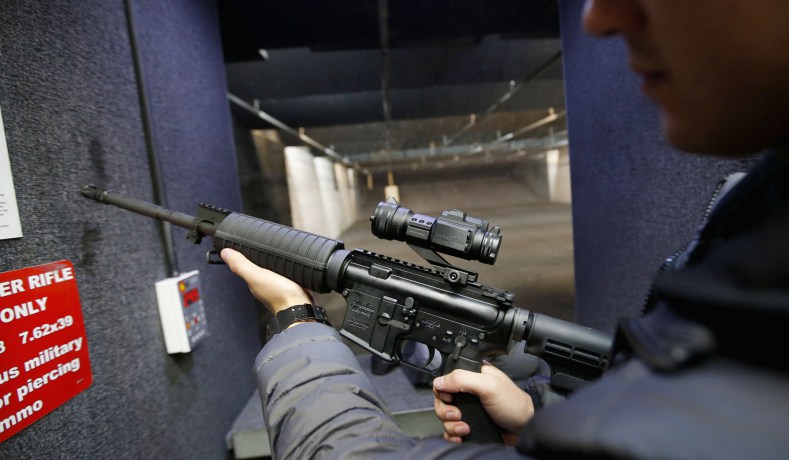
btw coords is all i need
(306, 312)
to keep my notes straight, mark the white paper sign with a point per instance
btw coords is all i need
(10, 227)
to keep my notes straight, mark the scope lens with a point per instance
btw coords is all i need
(390, 221)
(490, 246)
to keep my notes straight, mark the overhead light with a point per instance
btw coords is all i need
(263, 54)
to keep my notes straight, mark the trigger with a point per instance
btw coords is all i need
(431, 354)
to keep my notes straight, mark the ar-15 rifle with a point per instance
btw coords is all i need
(390, 302)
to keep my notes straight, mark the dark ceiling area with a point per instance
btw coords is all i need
(377, 81)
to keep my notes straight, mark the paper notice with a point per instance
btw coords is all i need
(10, 227)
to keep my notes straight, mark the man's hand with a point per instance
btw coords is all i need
(508, 406)
(274, 291)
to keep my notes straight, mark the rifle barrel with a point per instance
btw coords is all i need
(148, 209)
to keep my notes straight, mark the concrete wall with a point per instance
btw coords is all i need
(261, 166)
(72, 114)
(305, 199)
(558, 171)
(546, 174)
(322, 194)
(333, 209)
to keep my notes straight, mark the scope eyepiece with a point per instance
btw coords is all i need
(453, 233)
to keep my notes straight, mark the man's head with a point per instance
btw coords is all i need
(718, 69)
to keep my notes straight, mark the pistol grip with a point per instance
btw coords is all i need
(483, 430)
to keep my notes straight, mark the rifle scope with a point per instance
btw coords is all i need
(453, 233)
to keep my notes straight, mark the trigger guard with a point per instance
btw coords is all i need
(434, 372)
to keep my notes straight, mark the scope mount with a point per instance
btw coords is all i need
(454, 275)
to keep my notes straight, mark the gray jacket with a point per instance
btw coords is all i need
(318, 403)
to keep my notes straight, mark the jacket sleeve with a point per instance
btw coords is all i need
(318, 403)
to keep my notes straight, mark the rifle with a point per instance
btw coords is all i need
(391, 302)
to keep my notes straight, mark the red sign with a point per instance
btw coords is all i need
(44, 358)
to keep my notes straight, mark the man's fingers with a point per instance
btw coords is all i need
(238, 264)
(248, 271)
(450, 416)
(273, 290)
(462, 381)
(490, 369)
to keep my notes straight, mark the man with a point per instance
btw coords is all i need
(696, 376)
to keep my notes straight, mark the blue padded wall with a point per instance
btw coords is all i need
(72, 115)
(636, 200)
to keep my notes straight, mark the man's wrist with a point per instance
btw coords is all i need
(296, 314)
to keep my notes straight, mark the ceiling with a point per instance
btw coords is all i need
(388, 82)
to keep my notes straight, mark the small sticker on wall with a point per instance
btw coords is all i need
(10, 226)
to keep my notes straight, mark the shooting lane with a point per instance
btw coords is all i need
(78, 109)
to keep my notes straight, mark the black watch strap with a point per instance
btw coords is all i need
(290, 315)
